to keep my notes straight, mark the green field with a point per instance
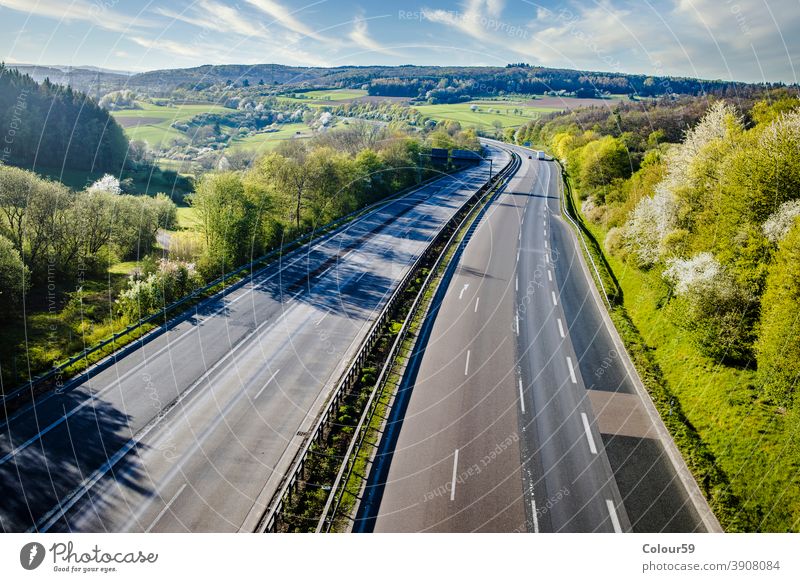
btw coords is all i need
(187, 218)
(334, 94)
(151, 123)
(483, 118)
(261, 142)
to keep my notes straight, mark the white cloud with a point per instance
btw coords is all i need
(78, 10)
(360, 36)
(171, 47)
(482, 20)
(215, 16)
(285, 17)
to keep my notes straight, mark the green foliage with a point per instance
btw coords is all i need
(767, 111)
(778, 347)
(152, 291)
(14, 278)
(600, 162)
(228, 220)
(58, 231)
(56, 126)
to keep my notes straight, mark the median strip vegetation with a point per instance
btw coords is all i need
(304, 507)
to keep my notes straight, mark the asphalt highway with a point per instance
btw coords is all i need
(519, 413)
(192, 429)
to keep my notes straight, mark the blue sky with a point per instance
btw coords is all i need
(751, 40)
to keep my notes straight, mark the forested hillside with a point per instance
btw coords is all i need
(53, 126)
(413, 81)
(703, 235)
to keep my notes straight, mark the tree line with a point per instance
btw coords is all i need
(305, 184)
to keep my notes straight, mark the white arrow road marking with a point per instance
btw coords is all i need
(464, 288)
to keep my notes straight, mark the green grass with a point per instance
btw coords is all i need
(482, 118)
(187, 218)
(156, 119)
(123, 268)
(751, 442)
(267, 141)
(334, 94)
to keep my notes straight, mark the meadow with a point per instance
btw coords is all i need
(152, 122)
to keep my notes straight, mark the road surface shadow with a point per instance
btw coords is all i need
(41, 476)
(654, 496)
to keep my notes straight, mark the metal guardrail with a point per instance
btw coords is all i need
(270, 521)
(338, 488)
(328, 230)
(565, 184)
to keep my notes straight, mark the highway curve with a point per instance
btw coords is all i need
(521, 411)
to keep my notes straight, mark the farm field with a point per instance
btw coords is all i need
(261, 142)
(151, 123)
(486, 114)
(502, 109)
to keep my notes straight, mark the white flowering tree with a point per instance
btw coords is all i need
(718, 124)
(777, 226)
(699, 274)
(107, 183)
(650, 222)
(709, 304)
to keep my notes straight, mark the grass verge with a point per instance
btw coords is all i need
(740, 449)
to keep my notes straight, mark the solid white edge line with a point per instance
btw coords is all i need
(612, 511)
(466, 366)
(571, 371)
(166, 507)
(455, 472)
(555, 301)
(588, 431)
(560, 327)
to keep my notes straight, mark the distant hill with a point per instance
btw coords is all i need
(447, 83)
(410, 80)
